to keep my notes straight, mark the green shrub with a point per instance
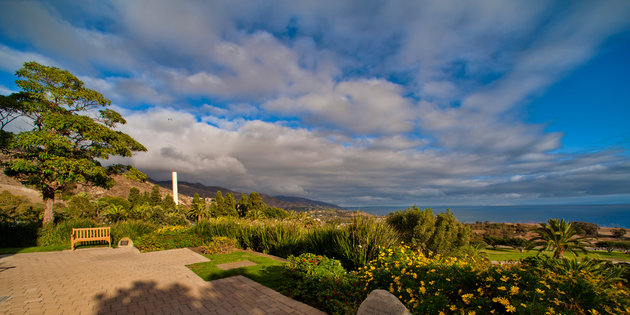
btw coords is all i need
(80, 206)
(219, 245)
(275, 213)
(168, 237)
(434, 235)
(104, 202)
(323, 283)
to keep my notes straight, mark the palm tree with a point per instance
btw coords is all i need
(558, 237)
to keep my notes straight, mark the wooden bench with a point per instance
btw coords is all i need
(90, 234)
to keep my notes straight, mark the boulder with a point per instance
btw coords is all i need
(381, 302)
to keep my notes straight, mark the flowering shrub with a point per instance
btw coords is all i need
(168, 237)
(322, 283)
(450, 285)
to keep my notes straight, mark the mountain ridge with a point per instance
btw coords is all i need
(285, 202)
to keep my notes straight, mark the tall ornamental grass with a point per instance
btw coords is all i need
(59, 233)
(133, 229)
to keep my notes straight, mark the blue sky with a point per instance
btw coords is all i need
(355, 102)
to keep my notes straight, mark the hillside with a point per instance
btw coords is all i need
(289, 203)
(120, 189)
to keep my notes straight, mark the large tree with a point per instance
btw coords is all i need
(71, 130)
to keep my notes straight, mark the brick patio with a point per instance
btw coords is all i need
(124, 281)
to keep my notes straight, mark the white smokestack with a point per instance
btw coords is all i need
(175, 188)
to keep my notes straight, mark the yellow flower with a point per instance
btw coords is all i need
(510, 309)
(502, 288)
(453, 308)
(540, 291)
(489, 279)
(514, 290)
(523, 305)
(466, 298)
(472, 313)
(505, 278)
(423, 290)
(441, 313)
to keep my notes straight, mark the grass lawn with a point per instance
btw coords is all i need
(267, 272)
(34, 249)
(503, 254)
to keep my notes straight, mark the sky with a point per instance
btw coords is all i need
(357, 103)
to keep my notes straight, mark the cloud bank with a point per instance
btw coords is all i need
(353, 102)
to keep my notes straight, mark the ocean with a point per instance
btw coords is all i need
(602, 215)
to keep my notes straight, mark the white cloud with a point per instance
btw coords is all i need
(363, 106)
(12, 60)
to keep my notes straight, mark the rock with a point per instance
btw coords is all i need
(382, 302)
(125, 242)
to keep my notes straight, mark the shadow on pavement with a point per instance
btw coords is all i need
(234, 295)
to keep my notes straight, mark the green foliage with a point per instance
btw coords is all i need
(275, 213)
(134, 197)
(114, 213)
(359, 242)
(59, 234)
(168, 237)
(128, 171)
(585, 228)
(276, 238)
(168, 204)
(618, 232)
(242, 205)
(219, 245)
(559, 237)
(322, 283)
(131, 228)
(197, 208)
(155, 198)
(65, 143)
(81, 206)
(217, 207)
(255, 206)
(17, 209)
(229, 205)
(612, 245)
(434, 235)
(453, 286)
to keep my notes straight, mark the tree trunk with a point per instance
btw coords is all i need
(560, 253)
(49, 199)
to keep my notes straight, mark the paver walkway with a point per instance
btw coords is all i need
(124, 281)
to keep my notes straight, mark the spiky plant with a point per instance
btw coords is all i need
(558, 236)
